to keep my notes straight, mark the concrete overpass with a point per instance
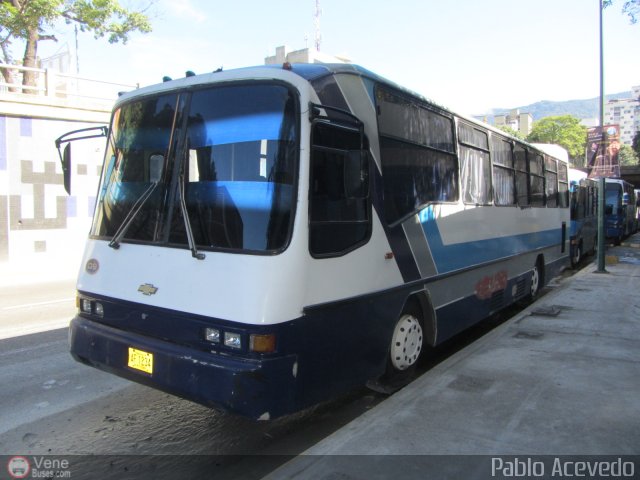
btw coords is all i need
(631, 174)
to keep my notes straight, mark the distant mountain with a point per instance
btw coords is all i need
(583, 109)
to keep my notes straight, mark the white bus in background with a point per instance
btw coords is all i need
(268, 238)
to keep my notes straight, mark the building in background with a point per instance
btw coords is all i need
(625, 113)
(306, 55)
(520, 122)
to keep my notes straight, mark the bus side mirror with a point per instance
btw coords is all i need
(65, 157)
(356, 174)
(66, 167)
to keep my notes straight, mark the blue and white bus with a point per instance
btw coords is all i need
(620, 209)
(268, 238)
(583, 231)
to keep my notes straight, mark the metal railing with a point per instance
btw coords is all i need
(51, 83)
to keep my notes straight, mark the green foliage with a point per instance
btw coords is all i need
(563, 130)
(629, 7)
(626, 156)
(635, 144)
(107, 17)
(510, 131)
(35, 20)
(18, 17)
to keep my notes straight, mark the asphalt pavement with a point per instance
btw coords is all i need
(561, 378)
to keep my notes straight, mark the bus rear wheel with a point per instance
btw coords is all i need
(577, 255)
(405, 350)
(537, 279)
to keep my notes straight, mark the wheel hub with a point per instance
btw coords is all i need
(406, 343)
(535, 281)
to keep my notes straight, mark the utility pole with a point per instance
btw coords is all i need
(316, 22)
(77, 54)
(601, 180)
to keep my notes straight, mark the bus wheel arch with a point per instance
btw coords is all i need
(429, 325)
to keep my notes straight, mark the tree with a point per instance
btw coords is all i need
(511, 131)
(635, 144)
(626, 155)
(629, 7)
(563, 130)
(32, 21)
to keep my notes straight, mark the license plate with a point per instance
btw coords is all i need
(140, 360)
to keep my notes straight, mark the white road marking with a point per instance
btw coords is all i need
(39, 304)
(18, 331)
(40, 346)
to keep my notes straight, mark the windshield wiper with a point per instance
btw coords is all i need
(187, 222)
(124, 226)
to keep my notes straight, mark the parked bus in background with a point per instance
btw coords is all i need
(583, 232)
(636, 192)
(620, 209)
(268, 238)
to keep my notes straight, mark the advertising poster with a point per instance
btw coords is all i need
(602, 154)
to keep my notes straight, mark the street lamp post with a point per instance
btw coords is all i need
(601, 181)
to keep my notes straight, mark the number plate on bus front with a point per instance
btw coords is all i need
(140, 360)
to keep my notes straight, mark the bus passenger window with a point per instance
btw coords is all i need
(503, 172)
(536, 179)
(475, 166)
(551, 181)
(522, 177)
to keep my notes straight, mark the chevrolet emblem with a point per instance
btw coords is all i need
(147, 289)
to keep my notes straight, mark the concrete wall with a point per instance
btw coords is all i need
(38, 221)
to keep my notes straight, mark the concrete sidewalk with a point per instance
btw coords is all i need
(560, 378)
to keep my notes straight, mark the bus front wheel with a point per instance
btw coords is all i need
(405, 350)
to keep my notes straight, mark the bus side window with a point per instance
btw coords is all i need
(339, 212)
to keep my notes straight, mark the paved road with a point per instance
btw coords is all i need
(35, 307)
(37, 374)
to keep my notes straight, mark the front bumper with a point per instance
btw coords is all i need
(260, 388)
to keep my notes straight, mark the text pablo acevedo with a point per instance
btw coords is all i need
(528, 467)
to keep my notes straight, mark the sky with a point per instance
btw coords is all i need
(469, 55)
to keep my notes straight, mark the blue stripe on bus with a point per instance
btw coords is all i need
(461, 255)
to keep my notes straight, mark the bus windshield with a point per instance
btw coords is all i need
(224, 156)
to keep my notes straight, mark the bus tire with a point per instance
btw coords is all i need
(405, 351)
(577, 255)
(537, 279)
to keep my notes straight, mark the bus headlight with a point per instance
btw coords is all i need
(85, 305)
(232, 340)
(212, 335)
